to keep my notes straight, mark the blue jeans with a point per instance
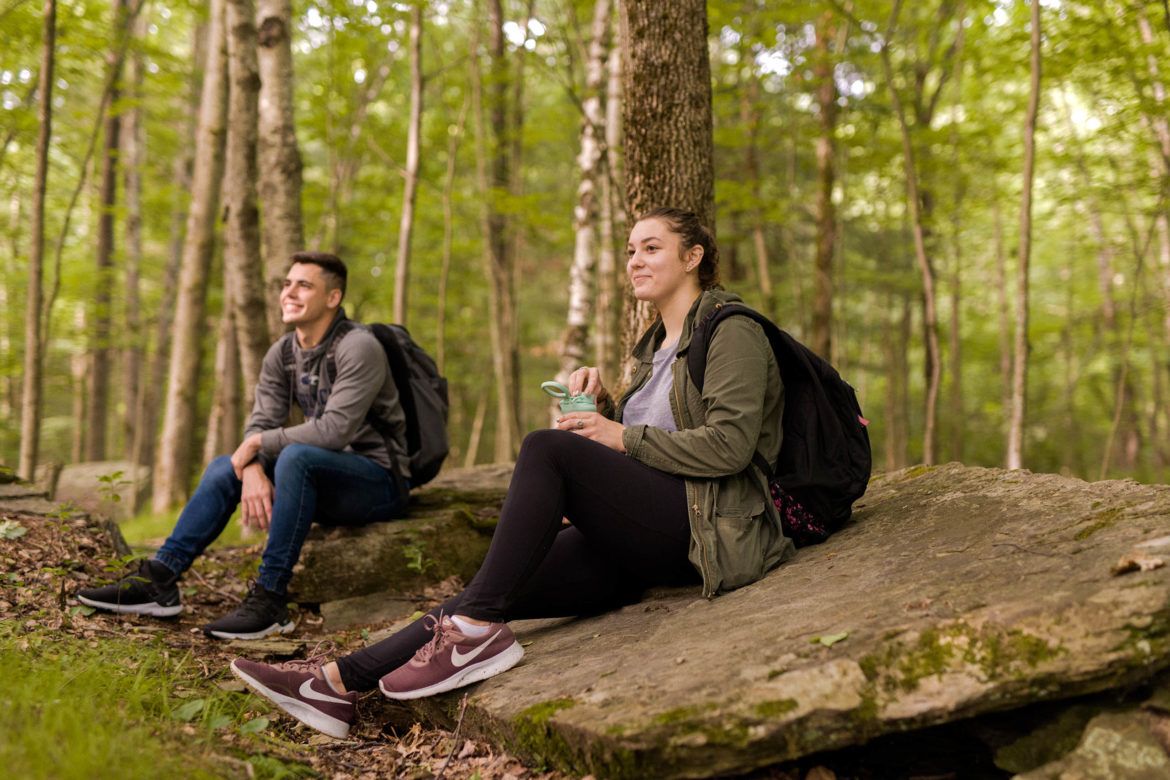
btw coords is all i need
(310, 484)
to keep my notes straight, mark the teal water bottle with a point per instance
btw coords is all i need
(569, 403)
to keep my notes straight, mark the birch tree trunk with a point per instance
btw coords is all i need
(575, 342)
(410, 186)
(280, 167)
(99, 344)
(30, 411)
(1015, 442)
(244, 269)
(668, 160)
(612, 217)
(176, 443)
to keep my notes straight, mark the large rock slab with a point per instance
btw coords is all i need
(956, 591)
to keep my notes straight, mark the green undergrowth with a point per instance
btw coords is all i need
(125, 708)
(147, 529)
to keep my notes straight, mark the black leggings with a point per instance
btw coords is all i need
(629, 531)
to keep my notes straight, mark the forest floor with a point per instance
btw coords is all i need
(43, 564)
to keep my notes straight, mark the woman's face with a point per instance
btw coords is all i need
(655, 263)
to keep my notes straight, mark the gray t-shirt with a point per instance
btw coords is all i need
(650, 404)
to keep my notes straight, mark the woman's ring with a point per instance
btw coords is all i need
(580, 424)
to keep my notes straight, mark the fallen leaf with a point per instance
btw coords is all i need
(830, 639)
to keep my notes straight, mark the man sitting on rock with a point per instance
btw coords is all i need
(346, 464)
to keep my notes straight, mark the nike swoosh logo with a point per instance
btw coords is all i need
(307, 692)
(462, 659)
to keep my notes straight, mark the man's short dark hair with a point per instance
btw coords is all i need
(332, 268)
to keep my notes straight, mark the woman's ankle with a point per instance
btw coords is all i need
(333, 676)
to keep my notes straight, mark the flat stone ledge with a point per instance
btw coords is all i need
(955, 591)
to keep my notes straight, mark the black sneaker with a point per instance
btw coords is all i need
(152, 590)
(261, 613)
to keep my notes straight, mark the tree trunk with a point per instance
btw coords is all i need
(826, 217)
(99, 342)
(501, 301)
(410, 186)
(448, 231)
(30, 412)
(930, 314)
(148, 403)
(242, 263)
(1015, 443)
(575, 341)
(225, 421)
(669, 158)
(280, 168)
(133, 159)
(176, 443)
(612, 219)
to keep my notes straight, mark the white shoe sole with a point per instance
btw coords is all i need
(275, 628)
(310, 716)
(152, 608)
(468, 675)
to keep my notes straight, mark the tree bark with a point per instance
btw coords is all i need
(176, 443)
(30, 412)
(245, 273)
(1015, 442)
(669, 143)
(280, 167)
(410, 174)
(99, 342)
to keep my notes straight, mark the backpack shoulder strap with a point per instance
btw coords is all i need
(343, 327)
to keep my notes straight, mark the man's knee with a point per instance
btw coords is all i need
(295, 459)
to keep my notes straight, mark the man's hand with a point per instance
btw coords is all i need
(256, 498)
(246, 453)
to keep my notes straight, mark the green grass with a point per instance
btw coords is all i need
(119, 708)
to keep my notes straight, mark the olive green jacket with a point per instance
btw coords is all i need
(735, 528)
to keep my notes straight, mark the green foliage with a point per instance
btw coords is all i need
(964, 95)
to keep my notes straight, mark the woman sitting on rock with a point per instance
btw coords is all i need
(659, 490)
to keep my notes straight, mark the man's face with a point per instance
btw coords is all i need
(305, 299)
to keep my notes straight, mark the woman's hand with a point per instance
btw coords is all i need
(587, 379)
(594, 426)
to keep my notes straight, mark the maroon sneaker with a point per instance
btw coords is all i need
(299, 688)
(452, 660)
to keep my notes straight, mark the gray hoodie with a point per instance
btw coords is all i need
(335, 412)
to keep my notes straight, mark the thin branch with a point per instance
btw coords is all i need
(454, 737)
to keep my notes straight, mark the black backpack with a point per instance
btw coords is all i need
(825, 460)
(422, 391)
